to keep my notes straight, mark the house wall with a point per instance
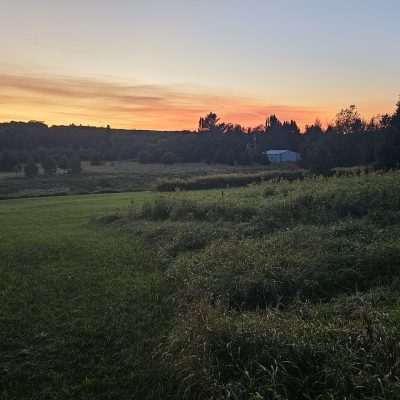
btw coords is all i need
(275, 158)
(288, 156)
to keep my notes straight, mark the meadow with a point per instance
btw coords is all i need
(112, 177)
(281, 290)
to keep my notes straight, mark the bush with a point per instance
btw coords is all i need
(145, 157)
(96, 160)
(49, 165)
(189, 238)
(63, 163)
(74, 165)
(227, 180)
(184, 210)
(157, 210)
(169, 158)
(31, 169)
(8, 161)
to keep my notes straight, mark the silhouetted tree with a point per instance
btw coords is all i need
(209, 122)
(280, 135)
(320, 159)
(272, 122)
(386, 156)
(313, 132)
(348, 121)
(49, 165)
(63, 163)
(8, 161)
(145, 157)
(168, 158)
(31, 169)
(96, 159)
(348, 141)
(74, 165)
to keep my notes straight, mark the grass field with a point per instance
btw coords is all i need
(81, 306)
(118, 176)
(282, 290)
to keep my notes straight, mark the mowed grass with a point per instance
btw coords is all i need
(81, 307)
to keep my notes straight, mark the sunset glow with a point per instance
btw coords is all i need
(60, 100)
(150, 66)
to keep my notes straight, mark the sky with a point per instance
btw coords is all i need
(161, 64)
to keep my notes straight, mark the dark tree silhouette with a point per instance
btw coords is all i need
(49, 165)
(74, 165)
(349, 141)
(348, 121)
(31, 169)
(209, 122)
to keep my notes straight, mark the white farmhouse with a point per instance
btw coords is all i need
(282, 156)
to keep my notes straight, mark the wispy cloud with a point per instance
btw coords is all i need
(60, 99)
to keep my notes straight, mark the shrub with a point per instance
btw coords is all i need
(145, 157)
(63, 163)
(268, 191)
(156, 210)
(96, 160)
(189, 238)
(227, 180)
(74, 165)
(49, 165)
(8, 161)
(169, 158)
(183, 210)
(31, 169)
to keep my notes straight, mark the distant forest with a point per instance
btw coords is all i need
(349, 141)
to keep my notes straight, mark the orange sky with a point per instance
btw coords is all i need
(65, 100)
(159, 64)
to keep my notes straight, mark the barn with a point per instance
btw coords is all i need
(282, 156)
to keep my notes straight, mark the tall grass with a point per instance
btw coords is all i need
(283, 290)
(274, 355)
(293, 296)
(226, 180)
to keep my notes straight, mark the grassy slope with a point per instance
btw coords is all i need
(287, 290)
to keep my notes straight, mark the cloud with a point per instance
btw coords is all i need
(60, 99)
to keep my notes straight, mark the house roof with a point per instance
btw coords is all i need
(277, 152)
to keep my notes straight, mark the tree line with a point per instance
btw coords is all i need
(349, 141)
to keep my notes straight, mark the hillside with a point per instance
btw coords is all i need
(282, 290)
